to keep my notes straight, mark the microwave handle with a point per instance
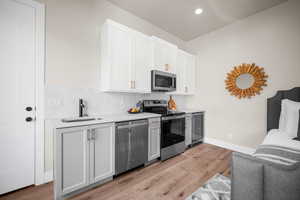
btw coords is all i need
(174, 83)
(153, 74)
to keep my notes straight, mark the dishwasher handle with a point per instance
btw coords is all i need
(131, 126)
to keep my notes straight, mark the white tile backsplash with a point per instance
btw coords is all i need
(63, 102)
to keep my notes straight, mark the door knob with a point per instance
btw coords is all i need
(28, 119)
(28, 109)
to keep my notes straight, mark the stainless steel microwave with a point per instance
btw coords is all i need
(163, 81)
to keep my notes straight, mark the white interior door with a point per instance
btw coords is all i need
(17, 87)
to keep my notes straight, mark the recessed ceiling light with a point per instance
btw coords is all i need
(198, 11)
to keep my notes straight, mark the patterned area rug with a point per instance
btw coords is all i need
(217, 188)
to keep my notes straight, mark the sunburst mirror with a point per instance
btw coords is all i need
(246, 80)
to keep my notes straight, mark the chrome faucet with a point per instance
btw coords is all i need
(82, 108)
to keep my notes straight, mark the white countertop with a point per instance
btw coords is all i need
(191, 110)
(106, 119)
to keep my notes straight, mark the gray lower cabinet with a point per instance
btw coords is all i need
(72, 160)
(83, 156)
(102, 152)
(154, 139)
(188, 129)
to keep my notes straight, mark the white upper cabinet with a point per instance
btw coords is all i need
(126, 59)
(116, 57)
(190, 75)
(185, 71)
(128, 56)
(142, 62)
(164, 55)
(181, 72)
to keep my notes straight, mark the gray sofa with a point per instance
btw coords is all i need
(257, 179)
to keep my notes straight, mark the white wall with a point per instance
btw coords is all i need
(271, 39)
(73, 57)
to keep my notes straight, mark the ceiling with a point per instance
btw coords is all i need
(178, 17)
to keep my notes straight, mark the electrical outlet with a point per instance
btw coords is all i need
(54, 102)
(230, 136)
(122, 102)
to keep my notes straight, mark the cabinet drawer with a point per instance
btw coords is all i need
(154, 122)
(157, 119)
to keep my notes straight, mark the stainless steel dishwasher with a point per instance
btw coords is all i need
(131, 145)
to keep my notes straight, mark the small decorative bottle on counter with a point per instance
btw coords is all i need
(171, 103)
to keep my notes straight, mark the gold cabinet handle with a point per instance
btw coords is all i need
(132, 84)
(167, 67)
(88, 135)
(93, 137)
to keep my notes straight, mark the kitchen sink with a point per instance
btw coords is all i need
(79, 119)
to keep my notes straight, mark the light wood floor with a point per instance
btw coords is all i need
(174, 179)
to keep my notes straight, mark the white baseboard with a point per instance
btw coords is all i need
(48, 176)
(229, 146)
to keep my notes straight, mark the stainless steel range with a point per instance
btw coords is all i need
(172, 128)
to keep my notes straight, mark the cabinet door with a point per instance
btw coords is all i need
(158, 54)
(190, 74)
(102, 152)
(185, 71)
(154, 140)
(72, 158)
(142, 62)
(181, 72)
(154, 146)
(188, 130)
(120, 57)
(171, 58)
(164, 55)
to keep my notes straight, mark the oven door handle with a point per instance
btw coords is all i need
(172, 117)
